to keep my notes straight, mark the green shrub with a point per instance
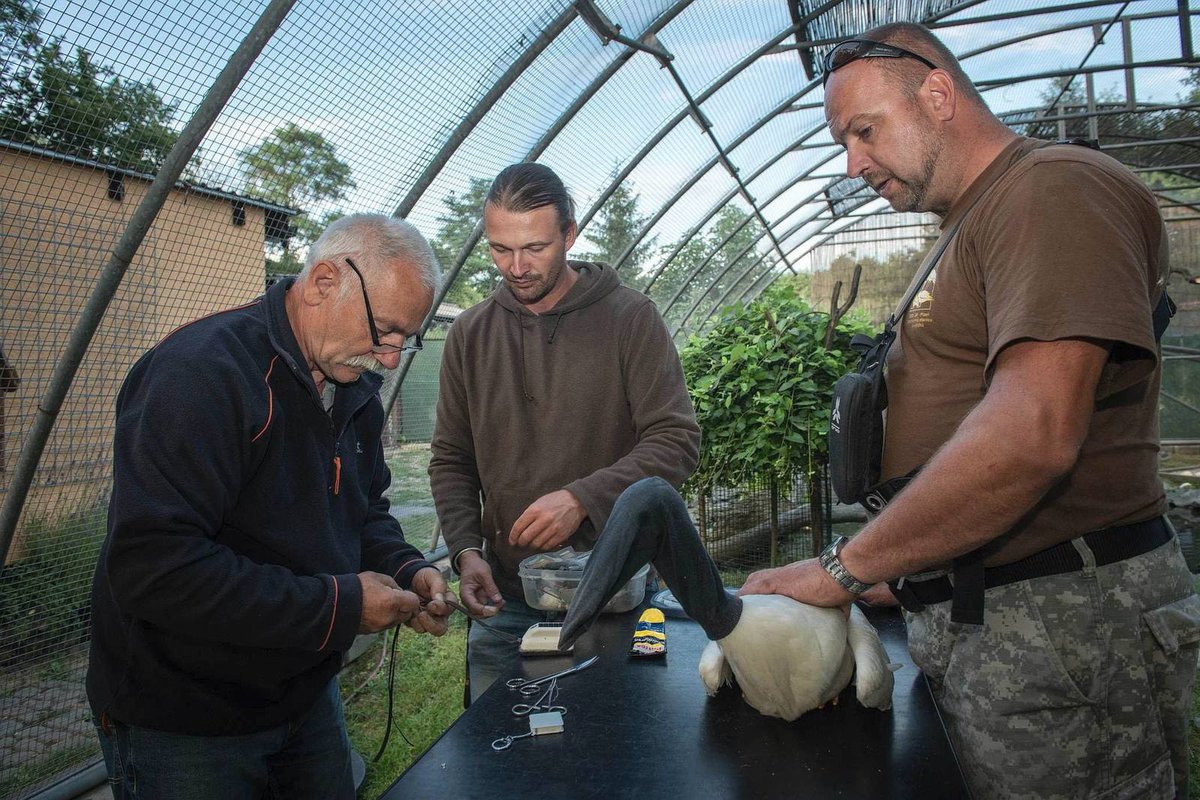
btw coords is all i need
(761, 381)
(45, 596)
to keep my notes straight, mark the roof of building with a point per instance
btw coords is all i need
(190, 186)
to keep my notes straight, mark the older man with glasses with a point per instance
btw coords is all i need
(1047, 601)
(249, 538)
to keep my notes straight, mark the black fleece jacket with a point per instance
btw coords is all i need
(241, 513)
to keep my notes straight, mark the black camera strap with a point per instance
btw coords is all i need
(859, 398)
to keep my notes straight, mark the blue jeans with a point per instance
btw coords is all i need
(309, 758)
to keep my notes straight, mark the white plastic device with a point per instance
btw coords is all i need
(541, 639)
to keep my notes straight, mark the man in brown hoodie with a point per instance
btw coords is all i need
(557, 393)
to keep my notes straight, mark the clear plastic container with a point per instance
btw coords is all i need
(550, 580)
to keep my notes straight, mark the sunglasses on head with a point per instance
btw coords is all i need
(852, 50)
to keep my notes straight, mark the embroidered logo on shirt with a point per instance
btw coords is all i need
(921, 312)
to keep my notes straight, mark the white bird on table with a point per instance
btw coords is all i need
(788, 657)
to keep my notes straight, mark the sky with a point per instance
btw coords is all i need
(388, 82)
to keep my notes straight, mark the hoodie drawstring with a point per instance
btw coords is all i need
(554, 330)
(521, 334)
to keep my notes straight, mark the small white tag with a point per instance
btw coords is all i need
(546, 722)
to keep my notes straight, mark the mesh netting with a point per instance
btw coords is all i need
(411, 108)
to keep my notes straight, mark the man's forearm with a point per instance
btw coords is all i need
(1022, 438)
(974, 489)
(455, 489)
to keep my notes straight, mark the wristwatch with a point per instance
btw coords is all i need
(833, 565)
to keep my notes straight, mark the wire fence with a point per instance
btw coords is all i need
(411, 108)
(765, 523)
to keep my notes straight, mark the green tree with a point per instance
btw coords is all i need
(675, 273)
(761, 382)
(709, 265)
(462, 213)
(298, 168)
(616, 225)
(68, 103)
(19, 39)
(1192, 81)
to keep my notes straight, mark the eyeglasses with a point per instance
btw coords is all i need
(412, 344)
(852, 50)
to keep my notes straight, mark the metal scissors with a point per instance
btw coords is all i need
(543, 703)
(529, 687)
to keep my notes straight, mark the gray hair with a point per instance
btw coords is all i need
(373, 241)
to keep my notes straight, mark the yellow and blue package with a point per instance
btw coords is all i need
(650, 636)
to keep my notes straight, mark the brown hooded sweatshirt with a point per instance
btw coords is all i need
(588, 396)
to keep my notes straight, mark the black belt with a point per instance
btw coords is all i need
(1108, 546)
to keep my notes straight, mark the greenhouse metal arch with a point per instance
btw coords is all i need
(131, 206)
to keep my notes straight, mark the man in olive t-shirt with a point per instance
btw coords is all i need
(1024, 384)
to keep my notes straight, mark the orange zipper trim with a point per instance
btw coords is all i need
(337, 474)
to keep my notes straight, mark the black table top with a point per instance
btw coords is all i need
(645, 729)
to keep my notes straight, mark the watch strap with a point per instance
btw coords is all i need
(832, 564)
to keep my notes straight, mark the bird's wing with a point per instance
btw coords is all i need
(873, 681)
(714, 669)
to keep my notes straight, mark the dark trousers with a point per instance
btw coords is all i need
(309, 758)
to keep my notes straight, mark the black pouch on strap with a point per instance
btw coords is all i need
(856, 422)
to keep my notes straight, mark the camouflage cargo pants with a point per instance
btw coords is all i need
(1076, 685)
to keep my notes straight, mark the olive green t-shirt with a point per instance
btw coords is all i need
(1064, 242)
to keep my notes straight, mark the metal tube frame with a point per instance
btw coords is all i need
(1005, 81)
(485, 104)
(753, 243)
(733, 261)
(724, 201)
(712, 89)
(389, 400)
(122, 255)
(702, 171)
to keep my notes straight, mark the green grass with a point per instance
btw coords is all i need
(410, 479)
(42, 607)
(36, 770)
(428, 699)
(410, 487)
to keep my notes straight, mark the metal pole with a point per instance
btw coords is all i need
(485, 104)
(110, 277)
(1127, 51)
(1089, 82)
(712, 89)
(1185, 30)
(540, 147)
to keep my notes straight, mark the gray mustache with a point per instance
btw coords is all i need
(364, 362)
